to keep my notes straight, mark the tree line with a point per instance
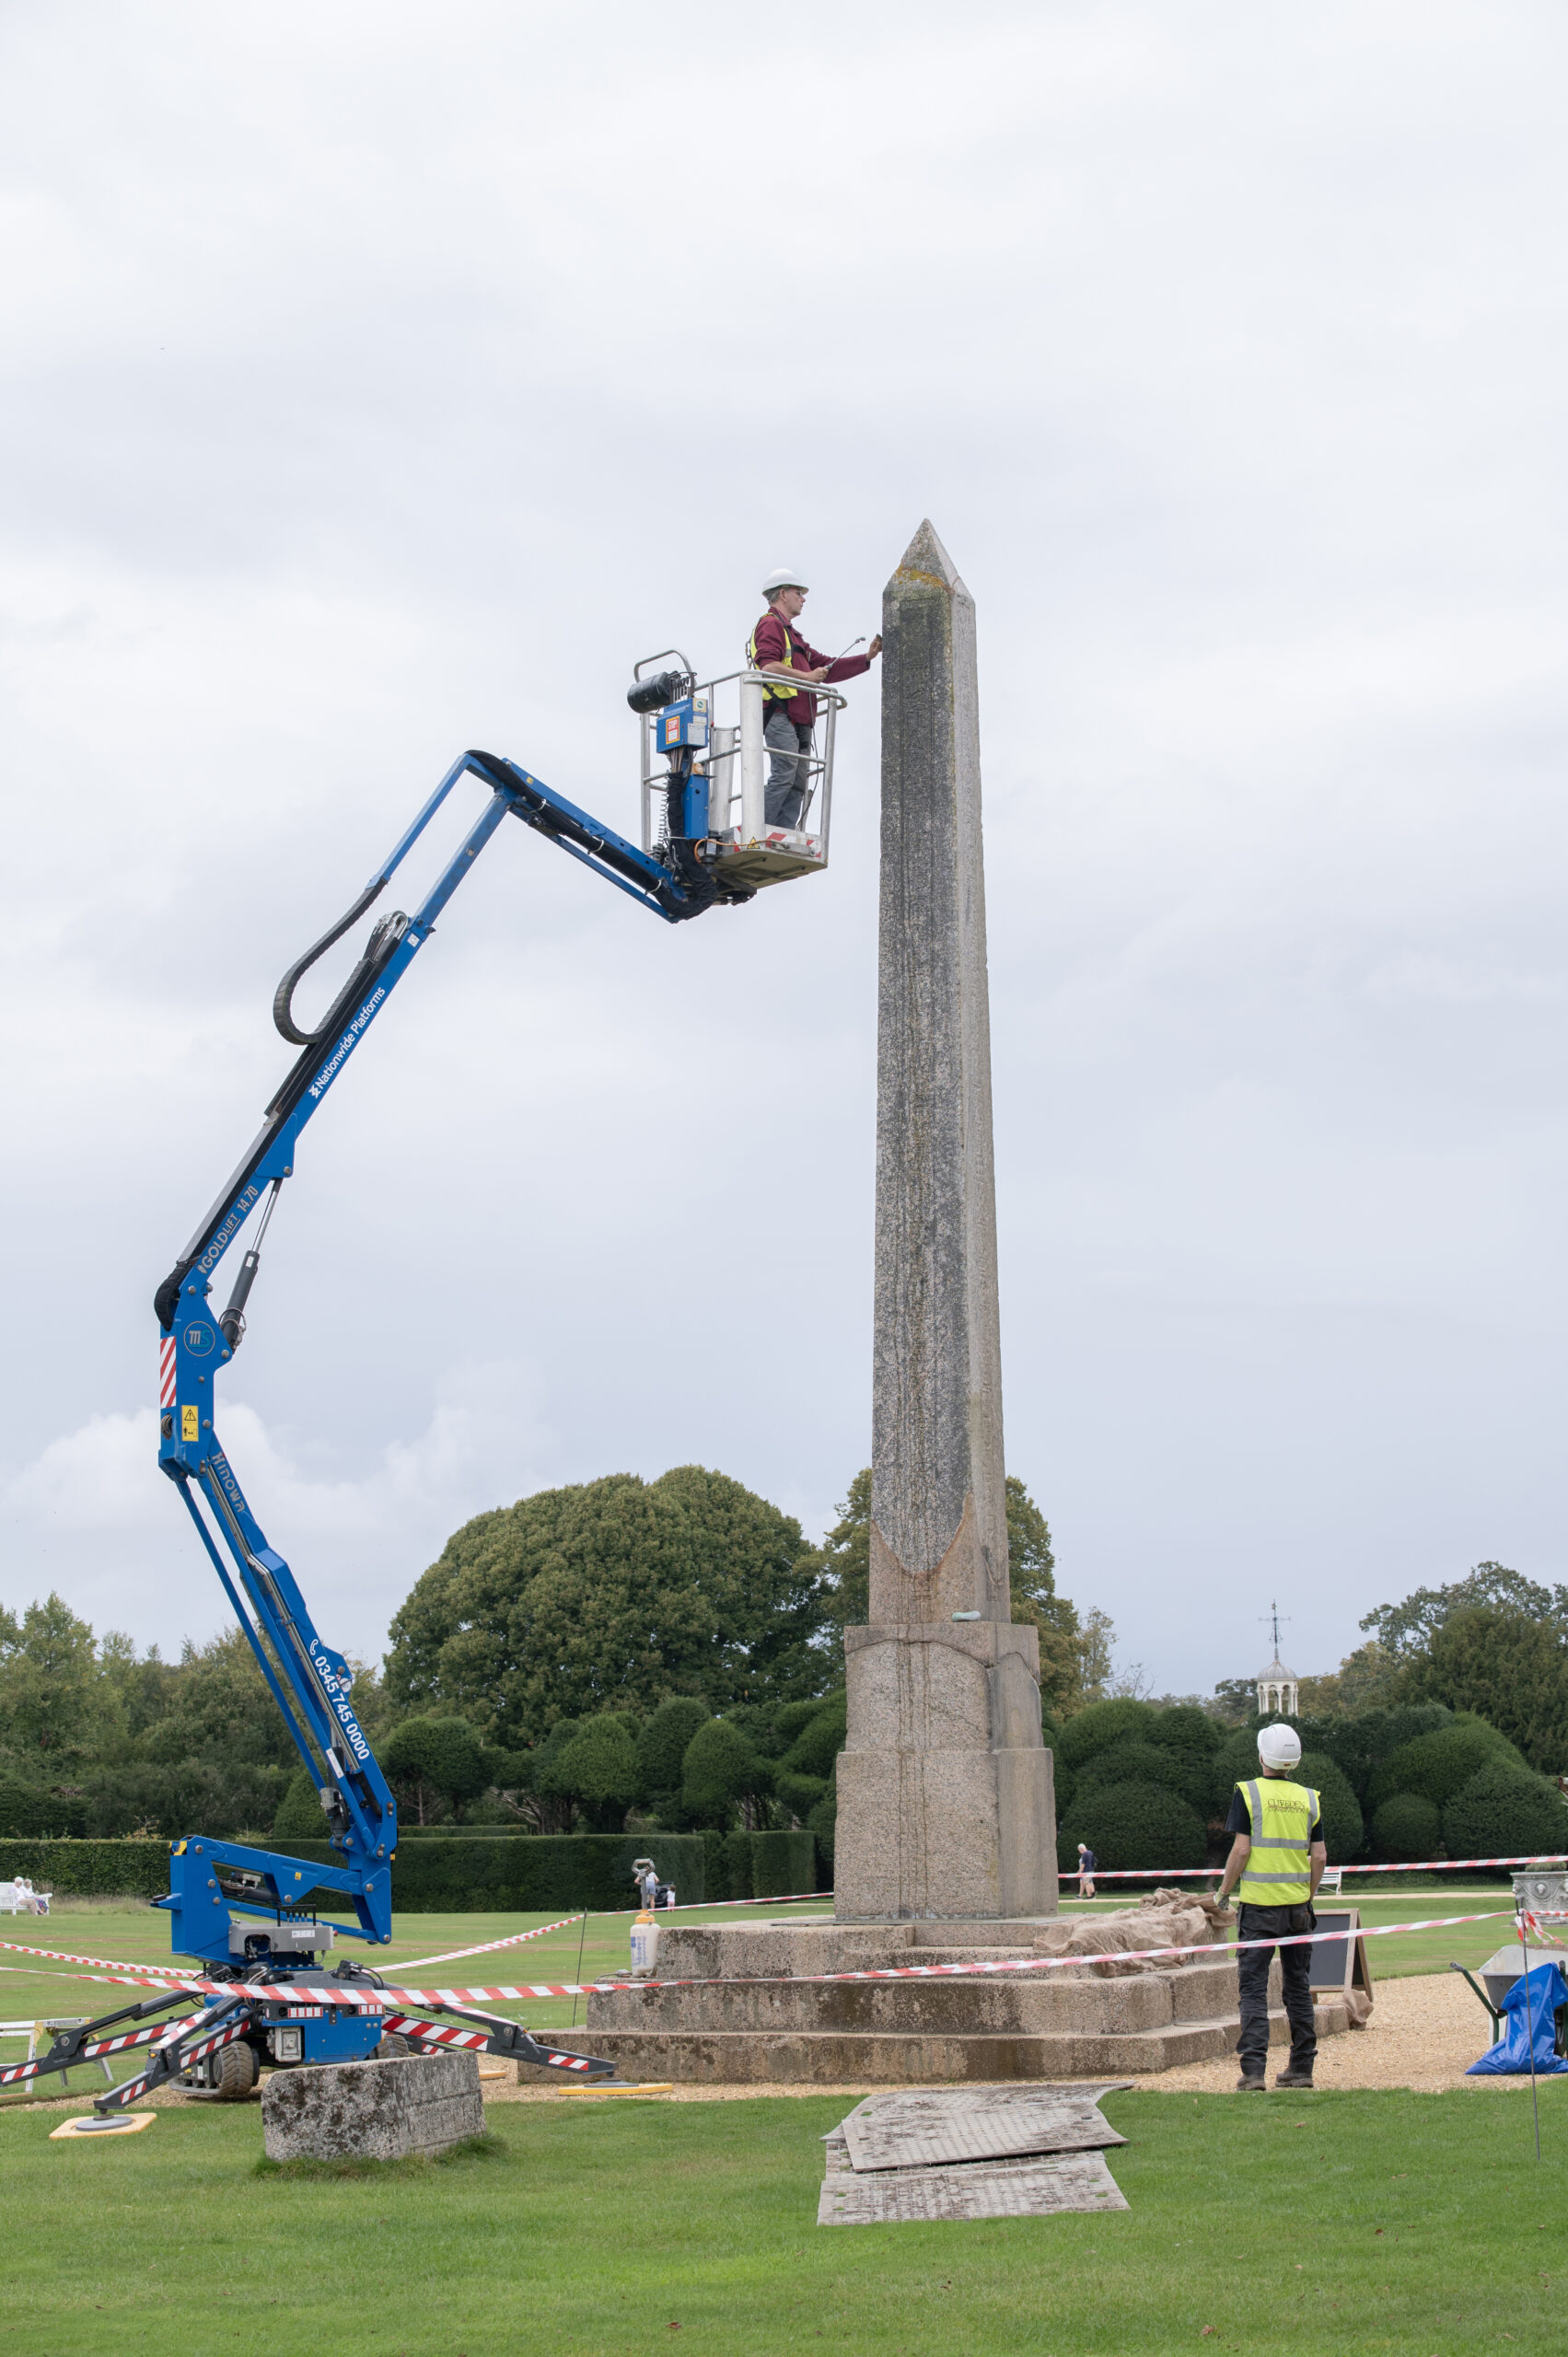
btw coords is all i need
(670, 1647)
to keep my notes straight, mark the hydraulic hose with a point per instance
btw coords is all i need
(282, 997)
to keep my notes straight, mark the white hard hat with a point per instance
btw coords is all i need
(781, 578)
(1279, 1746)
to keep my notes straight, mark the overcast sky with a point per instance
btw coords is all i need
(382, 380)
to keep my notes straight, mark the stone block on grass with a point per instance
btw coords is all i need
(372, 2111)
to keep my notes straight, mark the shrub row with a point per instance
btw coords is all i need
(89, 1869)
(752, 1865)
(467, 1873)
(1141, 1785)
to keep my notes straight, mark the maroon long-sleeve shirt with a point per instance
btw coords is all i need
(770, 640)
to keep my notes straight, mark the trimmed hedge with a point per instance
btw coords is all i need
(1406, 1827)
(1440, 1765)
(1343, 1832)
(509, 1874)
(756, 1865)
(1133, 1825)
(1130, 1760)
(1505, 1811)
(1100, 1725)
(781, 1862)
(89, 1869)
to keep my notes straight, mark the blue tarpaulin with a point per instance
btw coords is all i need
(1531, 2006)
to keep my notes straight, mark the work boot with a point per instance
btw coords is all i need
(1252, 2083)
(1293, 2078)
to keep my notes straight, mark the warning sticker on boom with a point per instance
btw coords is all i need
(189, 1423)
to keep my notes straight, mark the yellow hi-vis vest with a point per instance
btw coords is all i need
(783, 694)
(1278, 1872)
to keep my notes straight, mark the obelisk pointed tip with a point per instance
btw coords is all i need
(927, 561)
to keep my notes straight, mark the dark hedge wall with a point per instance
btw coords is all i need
(513, 1873)
(89, 1869)
(505, 1873)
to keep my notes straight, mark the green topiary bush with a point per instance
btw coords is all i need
(1503, 1812)
(1092, 1730)
(1438, 1765)
(661, 1749)
(1343, 1832)
(300, 1817)
(1134, 1825)
(1131, 1761)
(1406, 1828)
(1236, 1760)
(1187, 1731)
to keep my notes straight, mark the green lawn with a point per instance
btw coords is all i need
(1329, 2223)
(140, 1935)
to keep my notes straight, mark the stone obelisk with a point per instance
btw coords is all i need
(944, 1791)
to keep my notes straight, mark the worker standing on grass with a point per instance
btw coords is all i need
(789, 713)
(1278, 1857)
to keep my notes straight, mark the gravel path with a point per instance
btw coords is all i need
(1426, 2031)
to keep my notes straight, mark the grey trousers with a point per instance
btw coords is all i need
(1296, 1971)
(788, 741)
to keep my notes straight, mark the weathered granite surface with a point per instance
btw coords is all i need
(945, 1804)
(1102, 2014)
(378, 2111)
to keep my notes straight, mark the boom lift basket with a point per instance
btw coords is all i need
(729, 713)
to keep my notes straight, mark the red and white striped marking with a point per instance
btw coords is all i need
(345, 1996)
(89, 2054)
(487, 1947)
(1414, 1866)
(165, 1371)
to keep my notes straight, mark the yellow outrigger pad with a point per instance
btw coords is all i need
(107, 2124)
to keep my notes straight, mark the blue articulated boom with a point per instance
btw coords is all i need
(248, 1916)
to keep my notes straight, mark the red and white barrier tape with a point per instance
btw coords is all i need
(1416, 1866)
(346, 1995)
(485, 1947)
(99, 2045)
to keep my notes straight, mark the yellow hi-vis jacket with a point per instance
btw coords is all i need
(1278, 1872)
(782, 694)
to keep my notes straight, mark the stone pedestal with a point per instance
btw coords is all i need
(748, 2026)
(945, 1804)
(375, 2111)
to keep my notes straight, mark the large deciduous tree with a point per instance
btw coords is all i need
(1510, 1667)
(613, 1593)
(1074, 1662)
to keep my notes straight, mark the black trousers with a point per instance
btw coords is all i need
(1295, 1970)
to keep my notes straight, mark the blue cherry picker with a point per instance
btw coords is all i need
(247, 1916)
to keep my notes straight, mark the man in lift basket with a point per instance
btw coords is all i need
(1278, 1857)
(777, 648)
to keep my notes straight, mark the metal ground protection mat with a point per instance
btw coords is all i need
(931, 2128)
(932, 2153)
(1036, 2187)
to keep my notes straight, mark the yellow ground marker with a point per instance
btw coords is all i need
(108, 2126)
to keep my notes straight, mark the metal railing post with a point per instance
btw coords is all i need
(753, 807)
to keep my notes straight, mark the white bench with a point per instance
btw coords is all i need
(20, 1898)
(40, 2037)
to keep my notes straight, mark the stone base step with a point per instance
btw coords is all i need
(892, 2058)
